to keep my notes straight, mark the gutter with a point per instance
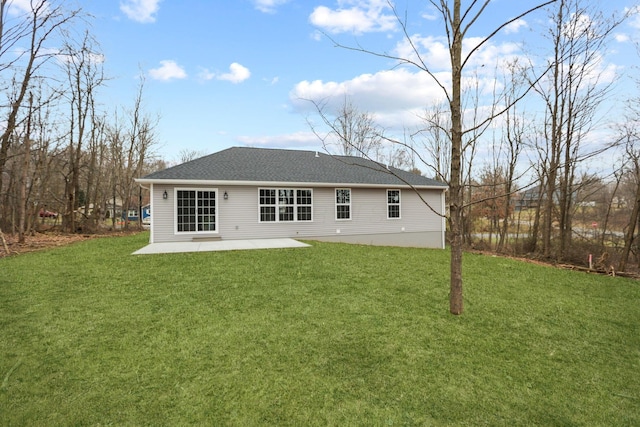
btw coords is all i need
(196, 182)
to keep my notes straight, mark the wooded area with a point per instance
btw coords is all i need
(533, 191)
(63, 160)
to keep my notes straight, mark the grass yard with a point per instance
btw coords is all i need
(333, 334)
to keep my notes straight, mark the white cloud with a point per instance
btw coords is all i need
(580, 25)
(168, 70)
(600, 72)
(434, 52)
(398, 97)
(237, 74)
(17, 7)
(597, 74)
(622, 38)
(634, 14)
(140, 10)
(91, 57)
(515, 26)
(356, 16)
(431, 13)
(296, 139)
(490, 55)
(205, 74)
(20, 7)
(394, 97)
(268, 6)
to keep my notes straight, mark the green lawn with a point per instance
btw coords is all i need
(332, 334)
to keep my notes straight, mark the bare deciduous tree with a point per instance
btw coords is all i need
(511, 145)
(83, 67)
(352, 131)
(632, 150)
(186, 155)
(572, 94)
(357, 133)
(435, 141)
(457, 22)
(138, 144)
(35, 26)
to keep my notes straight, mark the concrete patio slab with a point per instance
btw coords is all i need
(220, 245)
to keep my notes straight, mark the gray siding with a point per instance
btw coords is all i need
(162, 215)
(238, 217)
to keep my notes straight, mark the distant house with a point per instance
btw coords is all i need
(250, 193)
(113, 210)
(132, 214)
(528, 199)
(92, 210)
(146, 214)
(533, 197)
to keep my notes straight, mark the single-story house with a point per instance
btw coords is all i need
(251, 193)
(132, 214)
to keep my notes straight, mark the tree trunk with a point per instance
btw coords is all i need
(25, 171)
(456, 196)
(629, 235)
(607, 215)
(113, 216)
(4, 243)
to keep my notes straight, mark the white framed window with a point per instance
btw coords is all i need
(393, 204)
(285, 204)
(303, 204)
(267, 204)
(196, 210)
(343, 203)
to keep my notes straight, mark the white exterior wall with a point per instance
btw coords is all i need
(238, 217)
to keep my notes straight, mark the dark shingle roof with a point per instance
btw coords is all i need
(274, 165)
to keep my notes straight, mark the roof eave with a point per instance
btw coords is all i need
(198, 182)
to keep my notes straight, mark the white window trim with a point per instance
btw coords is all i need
(175, 211)
(277, 205)
(393, 204)
(343, 204)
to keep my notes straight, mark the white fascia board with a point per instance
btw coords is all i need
(198, 182)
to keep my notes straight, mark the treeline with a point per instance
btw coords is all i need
(61, 155)
(531, 176)
(527, 181)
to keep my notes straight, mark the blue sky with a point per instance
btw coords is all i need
(224, 73)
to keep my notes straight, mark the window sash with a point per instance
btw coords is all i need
(206, 211)
(343, 203)
(393, 204)
(285, 205)
(195, 211)
(304, 213)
